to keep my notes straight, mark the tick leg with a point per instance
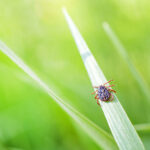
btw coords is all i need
(111, 90)
(94, 92)
(108, 82)
(98, 102)
(95, 86)
(96, 96)
(112, 97)
(110, 85)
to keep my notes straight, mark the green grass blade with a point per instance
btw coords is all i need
(145, 127)
(102, 138)
(118, 121)
(120, 48)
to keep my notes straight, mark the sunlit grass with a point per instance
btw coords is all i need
(102, 138)
(37, 32)
(126, 137)
(121, 49)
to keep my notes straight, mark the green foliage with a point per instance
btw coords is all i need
(37, 32)
(126, 137)
(97, 134)
(126, 58)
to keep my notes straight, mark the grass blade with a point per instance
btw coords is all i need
(145, 127)
(102, 138)
(120, 48)
(119, 123)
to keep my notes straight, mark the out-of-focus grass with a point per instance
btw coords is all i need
(122, 51)
(102, 138)
(37, 31)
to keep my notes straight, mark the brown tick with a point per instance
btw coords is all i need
(103, 92)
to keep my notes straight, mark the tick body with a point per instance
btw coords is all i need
(103, 92)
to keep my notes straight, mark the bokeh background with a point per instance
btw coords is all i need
(37, 32)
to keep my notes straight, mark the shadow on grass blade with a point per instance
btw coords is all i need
(120, 48)
(118, 121)
(102, 138)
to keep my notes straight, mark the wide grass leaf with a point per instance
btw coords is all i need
(118, 121)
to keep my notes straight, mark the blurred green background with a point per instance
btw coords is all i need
(37, 32)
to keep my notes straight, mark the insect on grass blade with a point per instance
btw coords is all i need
(118, 121)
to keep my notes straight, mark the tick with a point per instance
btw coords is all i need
(103, 92)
